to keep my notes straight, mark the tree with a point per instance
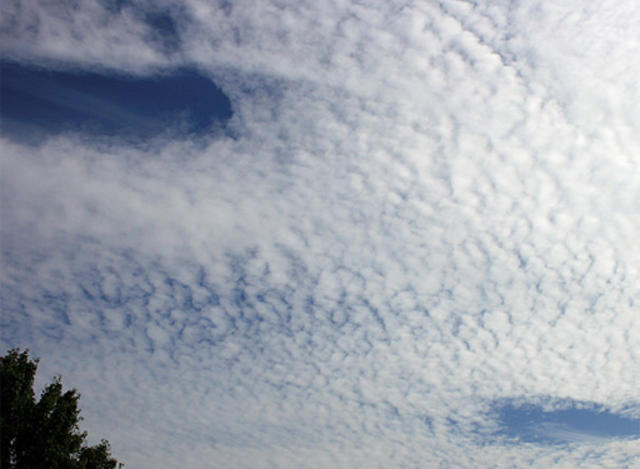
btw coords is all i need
(42, 434)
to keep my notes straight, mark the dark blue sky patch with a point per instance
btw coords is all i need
(162, 21)
(164, 30)
(569, 422)
(37, 103)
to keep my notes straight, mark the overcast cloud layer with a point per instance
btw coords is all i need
(426, 208)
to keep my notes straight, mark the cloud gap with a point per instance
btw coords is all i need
(553, 422)
(39, 102)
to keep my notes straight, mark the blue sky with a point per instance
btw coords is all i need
(38, 102)
(566, 422)
(328, 234)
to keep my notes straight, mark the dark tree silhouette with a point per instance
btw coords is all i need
(42, 434)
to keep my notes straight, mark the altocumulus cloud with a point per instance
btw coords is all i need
(413, 243)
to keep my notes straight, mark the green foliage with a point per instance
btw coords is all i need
(42, 434)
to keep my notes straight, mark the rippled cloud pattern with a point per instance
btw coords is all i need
(406, 236)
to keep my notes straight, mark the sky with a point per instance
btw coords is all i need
(295, 234)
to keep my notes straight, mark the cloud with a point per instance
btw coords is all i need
(424, 208)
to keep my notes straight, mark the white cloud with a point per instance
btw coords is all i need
(426, 208)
